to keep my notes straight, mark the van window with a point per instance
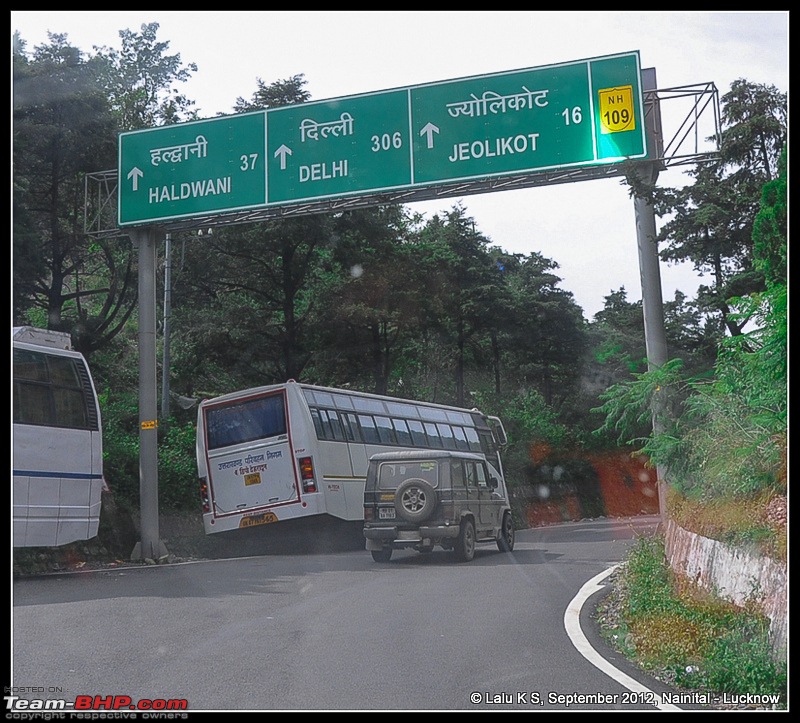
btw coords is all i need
(392, 474)
(457, 473)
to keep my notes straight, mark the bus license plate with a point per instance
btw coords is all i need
(386, 513)
(262, 519)
(252, 479)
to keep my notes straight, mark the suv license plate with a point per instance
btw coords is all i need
(386, 513)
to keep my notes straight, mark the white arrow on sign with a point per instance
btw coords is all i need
(283, 151)
(136, 174)
(429, 129)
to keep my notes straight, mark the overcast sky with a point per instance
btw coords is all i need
(587, 228)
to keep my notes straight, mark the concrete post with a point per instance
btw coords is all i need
(150, 546)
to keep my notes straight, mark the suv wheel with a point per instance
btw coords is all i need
(382, 555)
(465, 543)
(505, 540)
(415, 500)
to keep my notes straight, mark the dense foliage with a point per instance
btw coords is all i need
(725, 435)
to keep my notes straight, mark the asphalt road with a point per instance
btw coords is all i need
(337, 631)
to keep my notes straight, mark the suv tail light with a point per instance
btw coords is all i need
(307, 474)
(448, 511)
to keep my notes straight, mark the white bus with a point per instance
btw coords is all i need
(293, 450)
(57, 454)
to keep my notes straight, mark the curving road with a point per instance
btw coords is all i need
(337, 631)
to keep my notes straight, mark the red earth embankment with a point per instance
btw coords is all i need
(587, 485)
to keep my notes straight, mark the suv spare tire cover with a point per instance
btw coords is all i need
(415, 500)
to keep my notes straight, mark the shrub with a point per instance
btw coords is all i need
(177, 471)
(688, 636)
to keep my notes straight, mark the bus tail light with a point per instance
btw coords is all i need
(204, 495)
(307, 474)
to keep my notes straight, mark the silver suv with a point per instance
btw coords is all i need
(435, 497)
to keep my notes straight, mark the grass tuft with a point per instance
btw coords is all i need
(734, 521)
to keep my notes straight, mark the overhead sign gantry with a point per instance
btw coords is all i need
(576, 114)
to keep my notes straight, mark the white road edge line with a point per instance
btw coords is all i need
(572, 618)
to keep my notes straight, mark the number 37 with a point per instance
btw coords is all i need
(248, 163)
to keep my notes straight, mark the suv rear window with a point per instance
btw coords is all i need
(391, 474)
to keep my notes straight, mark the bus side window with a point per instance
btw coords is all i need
(418, 436)
(472, 439)
(55, 396)
(446, 433)
(30, 365)
(461, 439)
(62, 372)
(487, 444)
(350, 426)
(433, 435)
(31, 403)
(70, 408)
(385, 430)
(368, 431)
(402, 432)
(333, 425)
(317, 423)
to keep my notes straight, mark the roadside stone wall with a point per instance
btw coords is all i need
(733, 573)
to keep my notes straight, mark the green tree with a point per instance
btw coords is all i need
(621, 345)
(725, 436)
(63, 128)
(465, 276)
(280, 92)
(247, 300)
(712, 224)
(141, 80)
(67, 113)
(770, 232)
(374, 277)
(543, 335)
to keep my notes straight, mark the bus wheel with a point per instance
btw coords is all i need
(382, 555)
(415, 500)
(505, 540)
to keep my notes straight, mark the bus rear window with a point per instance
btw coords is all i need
(245, 421)
(52, 391)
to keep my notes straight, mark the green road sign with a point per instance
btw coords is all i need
(332, 148)
(528, 120)
(581, 113)
(190, 169)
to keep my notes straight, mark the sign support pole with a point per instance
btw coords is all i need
(167, 330)
(150, 546)
(650, 274)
